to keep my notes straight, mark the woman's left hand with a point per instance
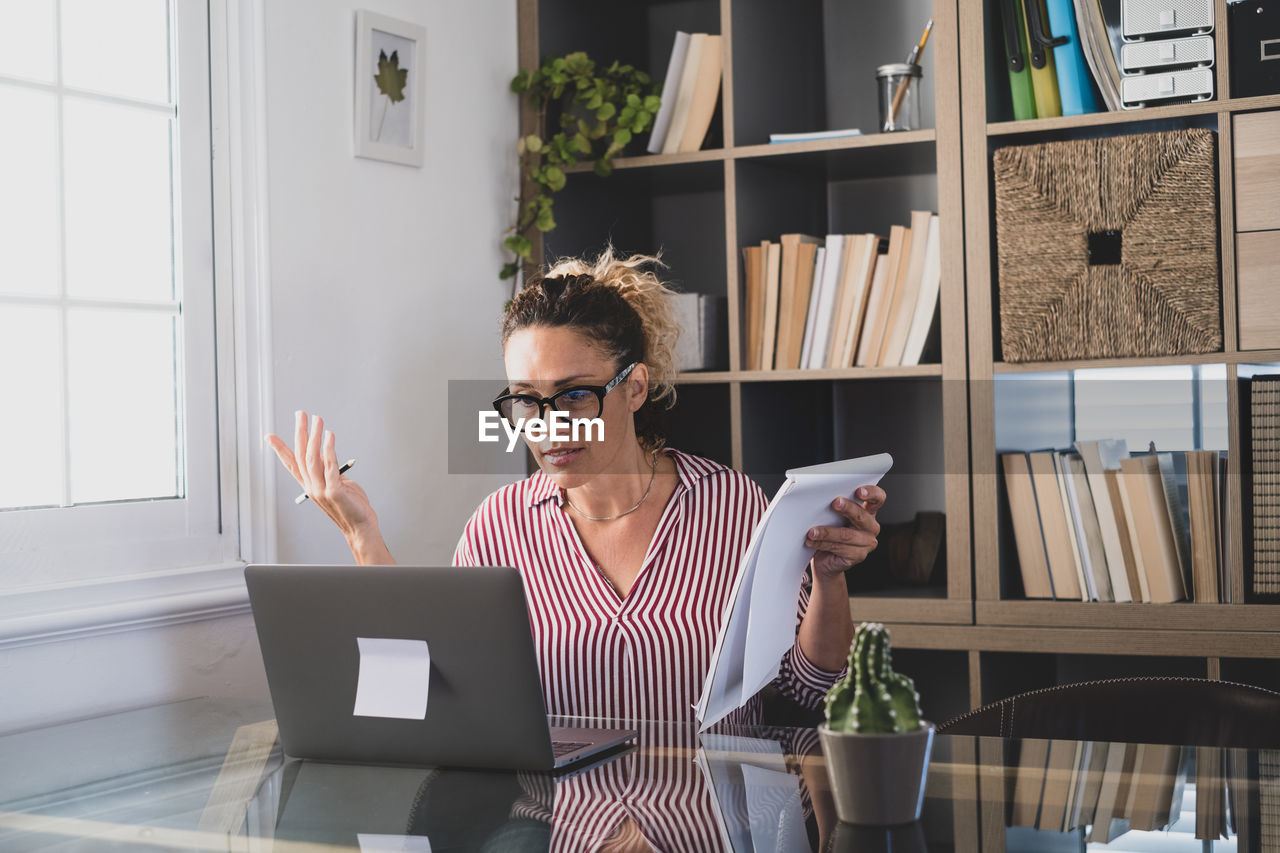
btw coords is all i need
(841, 548)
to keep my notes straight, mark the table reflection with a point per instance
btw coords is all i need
(208, 775)
(679, 791)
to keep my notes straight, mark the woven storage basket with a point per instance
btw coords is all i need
(1108, 247)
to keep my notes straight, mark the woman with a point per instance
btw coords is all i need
(628, 549)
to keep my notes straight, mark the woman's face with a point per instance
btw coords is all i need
(542, 361)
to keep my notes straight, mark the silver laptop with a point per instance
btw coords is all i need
(424, 666)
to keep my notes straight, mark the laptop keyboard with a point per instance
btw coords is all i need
(561, 748)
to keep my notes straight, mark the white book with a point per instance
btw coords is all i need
(825, 302)
(813, 136)
(1099, 456)
(1087, 592)
(684, 95)
(927, 302)
(670, 87)
(806, 347)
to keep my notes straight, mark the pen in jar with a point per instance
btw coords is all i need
(346, 466)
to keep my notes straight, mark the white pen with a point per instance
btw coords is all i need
(346, 466)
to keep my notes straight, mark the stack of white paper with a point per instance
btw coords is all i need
(760, 622)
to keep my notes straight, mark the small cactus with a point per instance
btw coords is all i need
(872, 698)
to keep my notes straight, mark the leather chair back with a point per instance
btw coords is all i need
(1189, 711)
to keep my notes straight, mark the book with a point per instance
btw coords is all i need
(813, 136)
(1097, 39)
(1028, 782)
(772, 274)
(1227, 589)
(753, 304)
(855, 297)
(900, 320)
(1059, 541)
(699, 316)
(1145, 489)
(1202, 507)
(1109, 820)
(876, 295)
(1088, 529)
(806, 271)
(1158, 783)
(1120, 496)
(1242, 799)
(1261, 467)
(670, 88)
(684, 94)
(1044, 74)
(1075, 84)
(876, 321)
(706, 92)
(1014, 32)
(1028, 539)
(1173, 477)
(895, 295)
(853, 251)
(1087, 592)
(825, 311)
(1091, 454)
(1057, 784)
(793, 296)
(815, 296)
(1211, 794)
(1077, 789)
(928, 302)
(1091, 785)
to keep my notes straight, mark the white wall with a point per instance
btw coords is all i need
(384, 277)
(384, 286)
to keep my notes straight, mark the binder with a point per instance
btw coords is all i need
(1253, 39)
(1015, 57)
(1040, 45)
(1075, 84)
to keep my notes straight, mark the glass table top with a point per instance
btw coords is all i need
(208, 774)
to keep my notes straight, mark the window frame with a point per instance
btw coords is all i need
(120, 579)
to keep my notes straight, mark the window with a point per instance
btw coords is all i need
(114, 462)
(1179, 407)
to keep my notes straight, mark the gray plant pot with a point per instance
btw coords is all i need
(877, 779)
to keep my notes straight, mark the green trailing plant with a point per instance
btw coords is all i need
(597, 111)
(872, 698)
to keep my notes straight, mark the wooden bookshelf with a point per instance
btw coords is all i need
(805, 66)
(1010, 632)
(788, 68)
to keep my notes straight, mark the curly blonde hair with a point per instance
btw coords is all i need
(622, 306)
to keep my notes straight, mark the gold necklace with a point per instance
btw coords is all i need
(653, 473)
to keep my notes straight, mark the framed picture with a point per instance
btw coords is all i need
(390, 79)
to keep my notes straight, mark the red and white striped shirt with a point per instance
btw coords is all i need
(643, 657)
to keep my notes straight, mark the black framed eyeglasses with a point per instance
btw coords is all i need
(580, 401)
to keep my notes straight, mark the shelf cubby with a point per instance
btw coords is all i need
(810, 65)
(699, 422)
(636, 33)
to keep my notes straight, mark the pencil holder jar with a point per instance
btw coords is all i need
(899, 86)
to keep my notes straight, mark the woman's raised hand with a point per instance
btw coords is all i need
(313, 462)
